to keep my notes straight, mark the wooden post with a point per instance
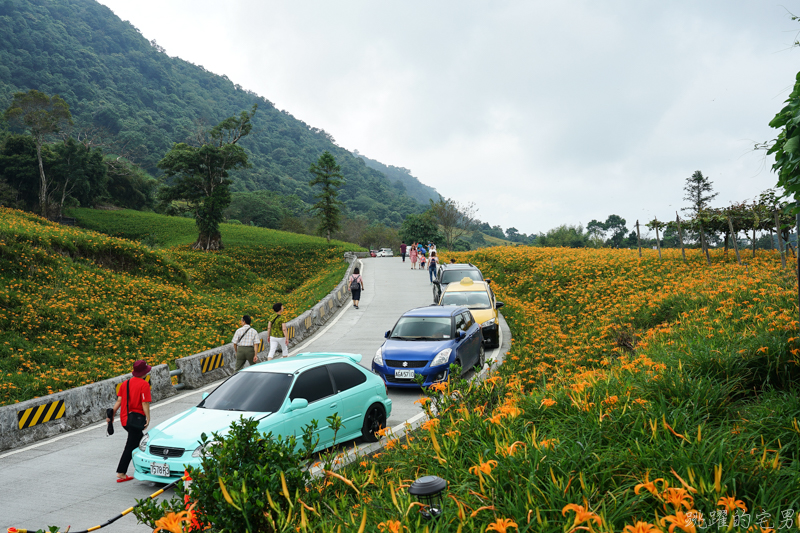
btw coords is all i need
(781, 248)
(658, 240)
(680, 235)
(638, 239)
(754, 243)
(733, 238)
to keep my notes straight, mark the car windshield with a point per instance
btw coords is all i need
(420, 328)
(250, 391)
(453, 276)
(472, 299)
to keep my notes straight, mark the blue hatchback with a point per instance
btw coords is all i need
(426, 341)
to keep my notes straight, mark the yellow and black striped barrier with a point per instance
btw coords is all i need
(40, 414)
(120, 515)
(146, 378)
(290, 331)
(212, 362)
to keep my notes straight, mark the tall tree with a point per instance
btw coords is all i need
(698, 190)
(41, 115)
(328, 209)
(420, 228)
(453, 218)
(615, 225)
(201, 175)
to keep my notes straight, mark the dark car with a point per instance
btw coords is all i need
(453, 273)
(426, 341)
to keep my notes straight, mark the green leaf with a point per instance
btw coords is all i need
(792, 145)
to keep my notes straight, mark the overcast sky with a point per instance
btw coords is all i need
(541, 113)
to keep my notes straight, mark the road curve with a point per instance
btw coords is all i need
(70, 479)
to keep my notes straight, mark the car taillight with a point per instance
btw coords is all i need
(385, 386)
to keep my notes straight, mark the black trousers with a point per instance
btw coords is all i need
(134, 438)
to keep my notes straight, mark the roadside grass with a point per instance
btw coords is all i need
(161, 231)
(638, 395)
(78, 306)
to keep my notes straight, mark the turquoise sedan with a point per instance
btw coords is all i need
(283, 395)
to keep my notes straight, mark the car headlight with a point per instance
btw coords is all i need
(143, 442)
(489, 322)
(378, 357)
(442, 357)
(203, 449)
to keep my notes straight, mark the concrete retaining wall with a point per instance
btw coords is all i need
(40, 418)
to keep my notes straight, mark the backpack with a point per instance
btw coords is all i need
(355, 285)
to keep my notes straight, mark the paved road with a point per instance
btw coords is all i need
(69, 479)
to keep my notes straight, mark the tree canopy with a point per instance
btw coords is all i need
(328, 209)
(200, 174)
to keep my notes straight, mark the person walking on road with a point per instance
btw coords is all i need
(433, 263)
(403, 251)
(133, 397)
(356, 285)
(278, 334)
(422, 261)
(413, 255)
(244, 341)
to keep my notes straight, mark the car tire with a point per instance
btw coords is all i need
(374, 421)
(481, 359)
(494, 342)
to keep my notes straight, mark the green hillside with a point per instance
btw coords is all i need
(77, 306)
(415, 188)
(113, 78)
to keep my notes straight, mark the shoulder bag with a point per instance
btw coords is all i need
(135, 420)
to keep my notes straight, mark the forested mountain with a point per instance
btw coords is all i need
(416, 189)
(114, 79)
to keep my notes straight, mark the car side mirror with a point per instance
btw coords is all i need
(459, 334)
(498, 305)
(386, 335)
(298, 403)
(437, 282)
(205, 395)
(488, 281)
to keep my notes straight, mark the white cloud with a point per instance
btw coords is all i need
(542, 113)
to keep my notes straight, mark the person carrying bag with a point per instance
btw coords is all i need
(134, 394)
(356, 286)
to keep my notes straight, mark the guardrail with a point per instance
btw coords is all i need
(40, 418)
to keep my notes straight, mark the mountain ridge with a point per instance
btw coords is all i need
(115, 79)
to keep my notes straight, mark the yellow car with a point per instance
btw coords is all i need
(478, 297)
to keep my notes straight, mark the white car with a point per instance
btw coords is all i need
(385, 252)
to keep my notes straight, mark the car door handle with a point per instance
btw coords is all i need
(333, 405)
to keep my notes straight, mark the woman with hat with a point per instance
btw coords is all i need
(133, 397)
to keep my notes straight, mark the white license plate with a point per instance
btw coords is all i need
(159, 469)
(404, 374)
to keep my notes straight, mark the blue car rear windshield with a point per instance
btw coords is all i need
(419, 328)
(454, 276)
(250, 391)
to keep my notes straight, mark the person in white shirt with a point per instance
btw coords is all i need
(244, 341)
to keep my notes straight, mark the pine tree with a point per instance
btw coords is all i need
(328, 174)
(698, 191)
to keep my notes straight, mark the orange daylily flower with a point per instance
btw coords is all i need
(173, 522)
(501, 525)
(679, 520)
(731, 504)
(392, 526)
(581, 514)
(486, 467)
(640, 527)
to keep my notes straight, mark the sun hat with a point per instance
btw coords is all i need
(140, 368)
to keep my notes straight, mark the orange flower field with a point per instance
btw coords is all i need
(639, 395)
(78, 306)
